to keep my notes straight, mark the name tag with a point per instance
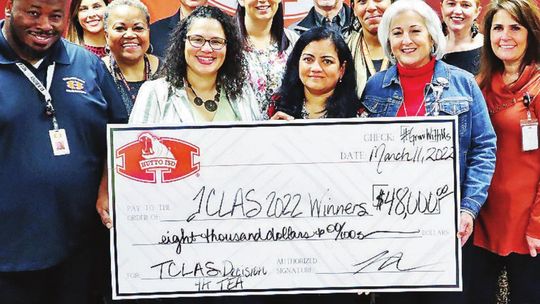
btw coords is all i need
(59, 142)
(529, 134)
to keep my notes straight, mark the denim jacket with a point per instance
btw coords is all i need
(383, 97)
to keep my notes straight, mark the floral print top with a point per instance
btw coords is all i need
(265, 71)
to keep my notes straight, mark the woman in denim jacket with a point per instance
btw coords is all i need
(422, 85)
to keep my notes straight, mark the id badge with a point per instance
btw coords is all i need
(529, 134)
(59, 142)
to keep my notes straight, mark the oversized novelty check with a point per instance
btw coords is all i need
(322, 206)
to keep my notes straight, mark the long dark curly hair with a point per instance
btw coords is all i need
(343, 102)
(231, 75)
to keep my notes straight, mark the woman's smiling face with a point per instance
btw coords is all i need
(319, 67)
(205, 60)
(410, 40)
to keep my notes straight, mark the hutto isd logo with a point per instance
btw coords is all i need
(151, 159)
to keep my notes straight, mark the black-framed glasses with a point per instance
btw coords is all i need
(198, 41)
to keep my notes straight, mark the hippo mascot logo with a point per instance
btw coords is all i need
(151, 159)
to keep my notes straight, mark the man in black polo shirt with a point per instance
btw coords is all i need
(55, 101)
(332, 13)
(161, 30)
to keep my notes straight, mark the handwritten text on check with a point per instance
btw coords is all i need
(324, 206)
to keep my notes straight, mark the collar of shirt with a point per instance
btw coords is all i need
(175, 19)
(57, 52)
(339, 19)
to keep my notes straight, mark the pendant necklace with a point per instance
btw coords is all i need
(210, 105)
(417, 111)
(305, 114)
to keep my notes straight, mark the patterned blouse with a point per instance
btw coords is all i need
(99, 51)
(265, 70)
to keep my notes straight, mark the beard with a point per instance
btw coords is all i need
(26, 50)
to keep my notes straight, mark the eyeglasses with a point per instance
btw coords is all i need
(198, 41)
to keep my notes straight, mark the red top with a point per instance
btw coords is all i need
(97, 50)
(512, 209)
(413, 82)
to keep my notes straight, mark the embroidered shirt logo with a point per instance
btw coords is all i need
(151, 159)
(75, 85)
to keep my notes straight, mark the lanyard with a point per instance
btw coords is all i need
(369, 61)
(49, 109)
(527, 102)
(120, 76)
(528, 98)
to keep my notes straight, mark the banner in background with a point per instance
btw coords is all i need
(294, 9)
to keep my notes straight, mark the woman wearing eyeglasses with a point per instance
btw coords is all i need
(203, 81)
(203, 75)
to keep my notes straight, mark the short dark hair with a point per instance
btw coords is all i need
(343, 102)
(527, 14)
(231, 75)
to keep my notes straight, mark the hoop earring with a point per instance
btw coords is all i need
(107, 49)
(433, 49)
(150, 49)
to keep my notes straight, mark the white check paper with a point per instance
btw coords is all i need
(284, 207)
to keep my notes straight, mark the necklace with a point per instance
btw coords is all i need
(210, 105)
(305, 113)
(369, 61)
(417, 111)
(119, 75)
(509, 78)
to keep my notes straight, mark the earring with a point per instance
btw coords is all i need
(340, 79)
(474, 29)
(150, 49)
(444, 28)
(433, 49)
(107, 49)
